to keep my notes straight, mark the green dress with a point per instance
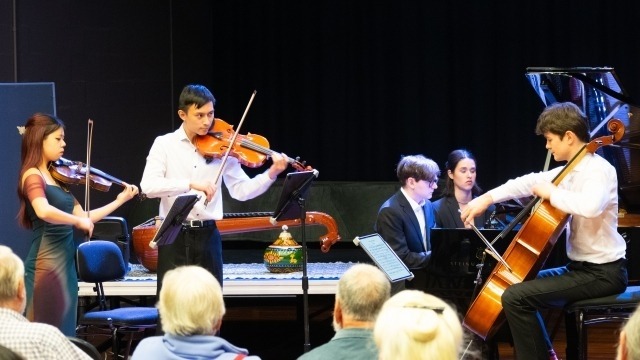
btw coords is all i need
(50, 275)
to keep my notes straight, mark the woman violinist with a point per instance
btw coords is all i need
(51, 211)
(589, 195)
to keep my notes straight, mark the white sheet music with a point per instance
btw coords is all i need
(386, 259)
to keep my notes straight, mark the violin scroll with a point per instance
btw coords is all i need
(300, 165)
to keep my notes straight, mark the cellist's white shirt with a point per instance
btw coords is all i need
(173, 162)
(590, 194)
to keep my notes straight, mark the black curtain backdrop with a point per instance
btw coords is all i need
(353, 85)
(349, 86)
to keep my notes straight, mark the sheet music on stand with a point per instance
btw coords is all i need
(171, 225)
(386, 259)
(296, 185)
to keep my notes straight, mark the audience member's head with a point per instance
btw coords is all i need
(12, 290)
(415, 325)
(361, 292)
(190, 302)
(629, 346)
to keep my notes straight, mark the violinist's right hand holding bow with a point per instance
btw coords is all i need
(207, 187)
(85, 224)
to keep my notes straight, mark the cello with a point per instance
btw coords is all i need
(530, 247)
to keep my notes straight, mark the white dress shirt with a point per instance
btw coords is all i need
(173, 162)
(419, 211)
(589, 194)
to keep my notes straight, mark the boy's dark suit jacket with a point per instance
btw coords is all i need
(398, 225)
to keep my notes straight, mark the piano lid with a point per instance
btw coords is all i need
(600, 95)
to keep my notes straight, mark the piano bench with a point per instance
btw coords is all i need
(613, 308)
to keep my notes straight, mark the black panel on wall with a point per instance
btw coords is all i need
(17, 103)
(632, 236)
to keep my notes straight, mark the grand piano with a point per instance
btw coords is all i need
(599, 93)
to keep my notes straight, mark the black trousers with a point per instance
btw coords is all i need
(555, 288)
(193, 246)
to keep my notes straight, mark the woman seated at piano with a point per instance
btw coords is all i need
(460, 188)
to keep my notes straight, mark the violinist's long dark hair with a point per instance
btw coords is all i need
(37, 128)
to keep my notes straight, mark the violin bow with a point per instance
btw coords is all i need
(87, 179)
(232, 142)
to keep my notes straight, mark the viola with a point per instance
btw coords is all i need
(251, 150)
(75, 173)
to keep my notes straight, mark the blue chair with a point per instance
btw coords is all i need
(613, 308)
(98, 261)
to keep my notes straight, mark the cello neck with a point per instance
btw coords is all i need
(571, 164)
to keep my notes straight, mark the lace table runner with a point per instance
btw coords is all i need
(255, 271)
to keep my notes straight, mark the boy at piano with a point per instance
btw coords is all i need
(405, 219)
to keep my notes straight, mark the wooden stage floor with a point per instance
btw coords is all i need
(603, 339)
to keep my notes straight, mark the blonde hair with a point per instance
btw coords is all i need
(416, 325)
(11, 274)
(191, 302)
(632, 337)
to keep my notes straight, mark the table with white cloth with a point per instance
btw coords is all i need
(239, 280)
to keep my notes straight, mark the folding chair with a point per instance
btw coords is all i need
(99, 261)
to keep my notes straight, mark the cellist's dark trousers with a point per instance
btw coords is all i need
(555, 288)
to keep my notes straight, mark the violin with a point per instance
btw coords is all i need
(251, 150)
(75, 173)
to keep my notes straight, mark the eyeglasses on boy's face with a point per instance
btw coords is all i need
(432, 182)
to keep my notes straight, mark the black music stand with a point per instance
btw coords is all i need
(171, 225)
(294, 190)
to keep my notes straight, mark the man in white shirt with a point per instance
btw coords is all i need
(175, 167)
(589, 195)
(32, 341)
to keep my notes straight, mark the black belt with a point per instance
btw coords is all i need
(199, 224)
